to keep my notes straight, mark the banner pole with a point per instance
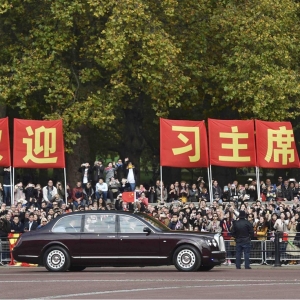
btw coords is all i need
(258, 183)
(12, 196)
(11, 185)
(65, 176)
(161, 187)
(208, 178)
(210, 184)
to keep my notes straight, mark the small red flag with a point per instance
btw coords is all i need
(128, 196)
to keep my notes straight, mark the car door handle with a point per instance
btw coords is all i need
(111, 236)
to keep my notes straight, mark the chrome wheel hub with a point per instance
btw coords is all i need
(56, 259)
(186, 259)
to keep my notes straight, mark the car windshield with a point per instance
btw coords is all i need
(155, 223)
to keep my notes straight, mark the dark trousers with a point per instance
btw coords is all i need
(7, 195)
(240, 248)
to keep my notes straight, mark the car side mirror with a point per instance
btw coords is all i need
(147, 229)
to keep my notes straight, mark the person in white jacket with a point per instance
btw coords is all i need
(101, 189)
(49, 192)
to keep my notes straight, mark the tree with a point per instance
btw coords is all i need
(111, 68)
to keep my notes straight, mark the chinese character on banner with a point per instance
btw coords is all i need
(183, 144)
(38, 144)
(231, 143)
(4, 143)
(276, 146)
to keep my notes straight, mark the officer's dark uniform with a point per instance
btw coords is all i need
(243, 231)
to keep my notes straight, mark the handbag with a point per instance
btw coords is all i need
(232, 241)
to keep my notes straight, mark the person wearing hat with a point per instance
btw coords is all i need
(242, 231)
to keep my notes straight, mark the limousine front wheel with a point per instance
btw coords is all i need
(56, 259)
(187, 258)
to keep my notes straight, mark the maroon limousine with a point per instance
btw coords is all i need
(111, 238)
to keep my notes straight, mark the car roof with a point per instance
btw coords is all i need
(92, 212)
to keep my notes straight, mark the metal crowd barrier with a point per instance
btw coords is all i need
(256, 252)
(263, 252)
(4, 251)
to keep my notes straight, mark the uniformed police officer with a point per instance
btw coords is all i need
(242, 231)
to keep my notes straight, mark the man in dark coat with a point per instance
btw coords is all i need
(98, 172)
(30, 225)
(16, 225)
(242, 231)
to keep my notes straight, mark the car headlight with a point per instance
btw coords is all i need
(212, 242)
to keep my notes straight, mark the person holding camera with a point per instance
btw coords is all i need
(29, 191)
(60, 190)
(86, 172)
(98, 172)
(242, 230)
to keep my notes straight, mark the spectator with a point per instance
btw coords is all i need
(287, 192)
(194, 194)
(175, 224)
(161, 198)
(120, 169)
(77, 195)
(98, 172)
(172, 194)
(49, 192)
(89, 194)
(130, 173)
(16, 225)
(31, 224)
(183, 192)
(60, 190)
(43, 223)
(216, 189)
(113, 189)
(101, 190)
(7, 185)
(86, 172)
(19, 192)
(109, 172)
(214, 225)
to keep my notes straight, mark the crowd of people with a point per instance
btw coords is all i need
(180, 206)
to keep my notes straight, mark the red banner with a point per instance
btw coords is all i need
(38, 144)
(183, 144)
(4, 144)
(276, 146)
(231, 143)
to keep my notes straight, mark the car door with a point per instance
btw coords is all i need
(99, 240)
(134, 243)
(67, 230)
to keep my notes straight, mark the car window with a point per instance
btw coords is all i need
(71, 224)
(131, 225)
(100, 223)
(155, 223)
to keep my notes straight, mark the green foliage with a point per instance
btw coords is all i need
(116, 66)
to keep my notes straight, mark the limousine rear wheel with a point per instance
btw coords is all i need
(187, 258)
(57, 259)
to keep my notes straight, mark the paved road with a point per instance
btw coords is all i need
(151, 283)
